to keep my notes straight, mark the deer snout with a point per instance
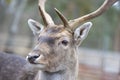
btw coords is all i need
(32, 58)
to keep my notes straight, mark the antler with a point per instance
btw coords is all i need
(107, 3)
(45, 16)
(64, 20)
(73, 24)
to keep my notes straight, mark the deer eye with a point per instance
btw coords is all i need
(65, 42)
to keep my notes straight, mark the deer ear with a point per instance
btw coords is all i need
(35, 26)
(81, 32)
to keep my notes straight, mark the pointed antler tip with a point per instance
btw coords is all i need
(55, 8)
(64, 20)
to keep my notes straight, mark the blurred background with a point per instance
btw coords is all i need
(99, 53)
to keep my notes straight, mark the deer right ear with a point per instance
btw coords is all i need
(81, 32)
(35, 26)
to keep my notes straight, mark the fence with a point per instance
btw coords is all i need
(97, 65)
(20, 45)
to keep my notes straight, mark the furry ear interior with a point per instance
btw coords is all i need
(81, 32)
(35, 26)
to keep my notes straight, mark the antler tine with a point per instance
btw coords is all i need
(45, 16)
(107, 3)
(64, 20)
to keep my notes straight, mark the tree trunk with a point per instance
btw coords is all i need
(14, 28)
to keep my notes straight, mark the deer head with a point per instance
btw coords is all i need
(57, 44)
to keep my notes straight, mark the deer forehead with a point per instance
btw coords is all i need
(53, 33)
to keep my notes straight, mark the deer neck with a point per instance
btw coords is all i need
(59, 75)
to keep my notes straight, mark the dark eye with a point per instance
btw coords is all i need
(65, 42)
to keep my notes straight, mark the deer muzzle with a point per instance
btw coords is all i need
(36, 59)
(32, 58)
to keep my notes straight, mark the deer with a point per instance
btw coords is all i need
(56, 52)
(55, 56)
(14, 67)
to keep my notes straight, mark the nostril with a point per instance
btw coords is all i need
(32, 59)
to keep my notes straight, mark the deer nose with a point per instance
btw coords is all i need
(32, 58)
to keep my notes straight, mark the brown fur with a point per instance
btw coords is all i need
(58, 59)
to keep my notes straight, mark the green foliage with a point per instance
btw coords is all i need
(104, 27)
(8, 1)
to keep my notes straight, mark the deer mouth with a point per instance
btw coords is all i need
(38, 65)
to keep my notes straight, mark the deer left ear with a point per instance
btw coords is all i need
(35, 26)
(81, 32)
